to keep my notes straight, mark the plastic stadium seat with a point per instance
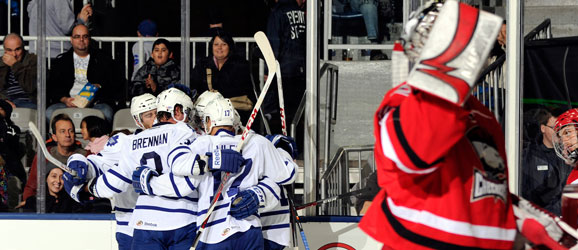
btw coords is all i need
(21, 117)
(77, 114)
(123, 120)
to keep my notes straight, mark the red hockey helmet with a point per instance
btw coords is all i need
(565, 139)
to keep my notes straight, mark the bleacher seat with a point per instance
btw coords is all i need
(77, 114)
(21, 117)
(123, 120)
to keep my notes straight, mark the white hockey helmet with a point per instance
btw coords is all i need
(237, 123)
(220, 112)
(140, 104)
(204, 99)
(168, 99)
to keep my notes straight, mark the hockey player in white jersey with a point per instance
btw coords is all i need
(143, 110)
(159, 222)
(231, 226)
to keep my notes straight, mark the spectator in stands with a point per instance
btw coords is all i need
(544, 173)
(95, 130)
(286, 32)
(158, 72)
(60, 21)
(226, 72)
(146, 28)
(57, 200)
(3, 187)
(11, 153)
(17, 73)
(66, 145)
(367, 8)
(78, 66)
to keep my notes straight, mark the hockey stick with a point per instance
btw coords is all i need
(332, 198)
(265, 47)
(47, 155)
(281, 100)
(284, 131)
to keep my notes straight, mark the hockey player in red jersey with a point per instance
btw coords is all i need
(565, 141)
(440, 155)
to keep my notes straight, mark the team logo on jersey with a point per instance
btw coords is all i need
(490, 180)
(112, 141)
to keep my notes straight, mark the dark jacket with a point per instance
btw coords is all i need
(286, 33)
(232, 80)
(544, 176)
(101, 70)
(25, 72)
(166, 74)
(62, 204)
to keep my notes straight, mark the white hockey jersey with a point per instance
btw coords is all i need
(265, 168)
(107, 161)
(151, 148)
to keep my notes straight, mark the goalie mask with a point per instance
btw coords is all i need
(168, 99)
(140, 104)
(565, 138)
(220, 112)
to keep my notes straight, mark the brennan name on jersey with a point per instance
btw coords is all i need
(151, 141)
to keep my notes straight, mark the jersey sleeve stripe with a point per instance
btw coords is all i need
(110, 186)
(390, 152)
(214, 222)
(96, 170)
(176, 157)
(216, 208)
(278, 226)
(191, 186)
(163, 209)
(274, 213)
(270, 189)
(415, 159)
(288, 179)
(122, 223)
(172, 178)
(120, 176)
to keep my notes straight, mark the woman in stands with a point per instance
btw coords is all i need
(226, 72)
(95, 130)
(158, 72)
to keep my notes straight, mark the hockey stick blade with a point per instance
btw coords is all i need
(332, 198)
(47, 155)
(267, 51)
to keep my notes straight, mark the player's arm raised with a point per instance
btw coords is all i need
(418, 128)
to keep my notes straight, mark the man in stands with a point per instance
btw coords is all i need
(78, 66)
(17, 73)
(63, 134)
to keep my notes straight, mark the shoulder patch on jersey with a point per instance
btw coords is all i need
(112, 141)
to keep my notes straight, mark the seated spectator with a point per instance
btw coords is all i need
(544, 174)
(146, 28)
(17, 73)
(95, 130)
(78, 66)
(226, 72)
(57, 200)
(367, 8)
(158, 72)
(63, 134)
(11, 153)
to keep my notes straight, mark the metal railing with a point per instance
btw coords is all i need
(336, 178)
(123, 43)
(491, 89)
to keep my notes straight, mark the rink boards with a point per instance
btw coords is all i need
(97, 232)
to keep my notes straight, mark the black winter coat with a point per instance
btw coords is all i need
(101, 70)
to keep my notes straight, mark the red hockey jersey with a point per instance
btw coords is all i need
(443, 175)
